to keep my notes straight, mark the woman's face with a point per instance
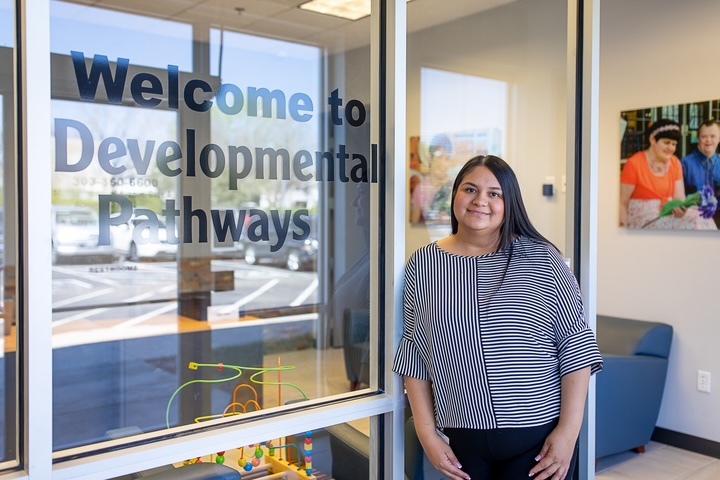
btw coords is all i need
(479, 203)
(663, 148)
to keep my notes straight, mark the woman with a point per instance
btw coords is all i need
(651, 178)
(496, 354)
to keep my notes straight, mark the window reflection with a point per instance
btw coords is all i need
(85, 28)
(283, 214)
(461, 116)
(223, 186)
(75, 234)
(490, 88)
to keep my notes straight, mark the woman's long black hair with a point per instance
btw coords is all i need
(516, 220)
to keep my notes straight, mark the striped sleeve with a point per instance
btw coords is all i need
(576, 344)
(408, 361)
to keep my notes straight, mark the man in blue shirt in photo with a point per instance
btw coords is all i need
(702, 166)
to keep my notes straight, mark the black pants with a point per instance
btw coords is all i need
(501, 453)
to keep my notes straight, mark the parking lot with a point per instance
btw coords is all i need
(120, 348)
(126, 299)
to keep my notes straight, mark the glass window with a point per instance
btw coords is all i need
(8, 208)
(487, 81)
(76, 26)
(211, 181)
(460, 116)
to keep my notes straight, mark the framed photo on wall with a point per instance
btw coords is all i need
(670, 167)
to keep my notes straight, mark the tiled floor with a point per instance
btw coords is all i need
(659, 462)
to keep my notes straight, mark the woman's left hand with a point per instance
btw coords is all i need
(555, 456)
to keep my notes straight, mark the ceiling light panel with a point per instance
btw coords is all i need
(350, 9)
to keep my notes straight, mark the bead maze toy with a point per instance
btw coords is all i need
(265, 460)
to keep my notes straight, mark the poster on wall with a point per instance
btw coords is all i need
(670, 167)
(433, 165)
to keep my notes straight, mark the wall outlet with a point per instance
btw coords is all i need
(703, 381)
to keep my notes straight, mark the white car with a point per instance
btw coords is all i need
(140, 246)
(75, 231)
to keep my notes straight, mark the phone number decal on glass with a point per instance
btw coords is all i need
(115, 182)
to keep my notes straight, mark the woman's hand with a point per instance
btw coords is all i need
(442, 457)
(679, 212)
(439, 453)
(557, 451)
(626, 191)
(555, 456)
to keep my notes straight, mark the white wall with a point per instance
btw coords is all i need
(524, 44)
(658, 52)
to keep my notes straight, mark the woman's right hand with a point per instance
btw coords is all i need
(679, 212)
(442, 457)
(439, 453)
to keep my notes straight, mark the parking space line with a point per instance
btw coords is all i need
(79, 316)
(305, 294)
(151, 294)
(73, 281)
(89, 313)
(146, 316)
(80, 298)
(252, 296)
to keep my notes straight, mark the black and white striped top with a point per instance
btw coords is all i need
(494, 351)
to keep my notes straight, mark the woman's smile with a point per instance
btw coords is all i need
(479, 203)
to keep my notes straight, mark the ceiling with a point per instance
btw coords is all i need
(283, 19)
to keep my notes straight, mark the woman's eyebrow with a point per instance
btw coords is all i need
(475, 186)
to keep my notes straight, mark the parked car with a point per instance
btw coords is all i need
(293, 255)
(74, 233)
(229, 248)
(126, 246)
